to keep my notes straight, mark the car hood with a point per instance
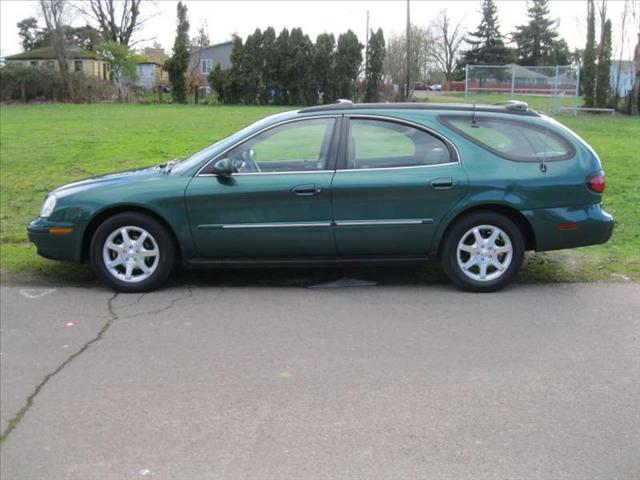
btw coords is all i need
(111, 179)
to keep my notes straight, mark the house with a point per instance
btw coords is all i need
(78, 60)
(627, 77)
(151, 75)
(524, 76)
(207, 59)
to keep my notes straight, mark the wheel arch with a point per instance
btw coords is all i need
(103, 215)
(508, 211)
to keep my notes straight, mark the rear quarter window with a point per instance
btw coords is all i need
(512, 139)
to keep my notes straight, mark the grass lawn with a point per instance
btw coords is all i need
(42, 147)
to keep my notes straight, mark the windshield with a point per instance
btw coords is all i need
(199, 158)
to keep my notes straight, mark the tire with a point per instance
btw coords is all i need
(141, 262)
(465, 259)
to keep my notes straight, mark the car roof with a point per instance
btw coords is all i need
(514, 108)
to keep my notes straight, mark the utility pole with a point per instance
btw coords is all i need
(406, 95)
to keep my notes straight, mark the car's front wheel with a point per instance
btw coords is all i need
(132, 252)
(483, 251)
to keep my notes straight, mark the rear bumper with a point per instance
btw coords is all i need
(570, 227)
(55, 246)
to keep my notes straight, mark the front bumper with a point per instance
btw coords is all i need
(56, 246)
(570, 227)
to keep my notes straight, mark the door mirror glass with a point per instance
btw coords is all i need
(223, 168)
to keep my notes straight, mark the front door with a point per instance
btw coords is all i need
(277, 203)
(394, 184)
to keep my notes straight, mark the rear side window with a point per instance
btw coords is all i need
(512, 139)
(385, 144)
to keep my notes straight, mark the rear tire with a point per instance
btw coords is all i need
(132, 252)
(482, 251)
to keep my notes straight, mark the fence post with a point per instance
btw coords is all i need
(159, 93)
(89, 99)
(554, 102)
(513, 79)
(466, 80)
(23, 91)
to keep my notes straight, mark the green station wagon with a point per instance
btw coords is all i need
(476, 186)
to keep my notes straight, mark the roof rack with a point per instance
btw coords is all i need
(512, 107)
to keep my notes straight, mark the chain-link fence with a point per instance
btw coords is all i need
(550, 89)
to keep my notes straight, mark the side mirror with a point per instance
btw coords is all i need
(222, 168)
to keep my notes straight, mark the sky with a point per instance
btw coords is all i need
(224, 18)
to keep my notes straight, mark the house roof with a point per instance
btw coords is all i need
(524, 72)
(193, 50)
(46, 53)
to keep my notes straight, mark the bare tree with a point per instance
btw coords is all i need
(198, 44)
(117, 20)
(623, 28)
(448, 37)
(395, 60)
(54, 12)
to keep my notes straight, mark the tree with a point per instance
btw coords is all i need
(395, 60)
(116, 20)
(155, 53)
(487, 44)
(283, 67)
(30, 34)
(218, 78)
(375, 66)
(324, 66)
(447, 41)
(603, 70)
(589, 57)
(348, 61)
(197, 46)
(54, 12)
(250, 64)
(123, 65)
(302, 87)
(178, 64)
(268, 66)
(538, 41)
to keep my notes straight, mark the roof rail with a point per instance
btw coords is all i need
(514, 105)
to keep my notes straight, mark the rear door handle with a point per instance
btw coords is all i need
(306, 190)
(443, 183)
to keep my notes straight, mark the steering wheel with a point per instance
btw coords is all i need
(245, 162)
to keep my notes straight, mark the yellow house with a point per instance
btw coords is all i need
(78, 60)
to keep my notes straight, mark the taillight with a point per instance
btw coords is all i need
(596, 182)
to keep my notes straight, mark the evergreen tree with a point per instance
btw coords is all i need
(235, 89)
(603, 70)
(348, 61)
(283, 68)
(218, 78)
(487, 44)
(268, 66)
(538, 42)
(589, 57)
(251, 66)
(324, 66)
(375, 66)
(302, 89)
(178, 64)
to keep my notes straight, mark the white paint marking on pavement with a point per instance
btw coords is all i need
(145, 471)
(32, 293)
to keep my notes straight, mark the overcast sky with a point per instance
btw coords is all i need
(223, 18)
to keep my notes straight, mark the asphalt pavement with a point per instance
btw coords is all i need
(281, 382)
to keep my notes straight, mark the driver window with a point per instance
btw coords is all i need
(293, 147)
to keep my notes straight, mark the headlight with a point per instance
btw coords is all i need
(49, 205)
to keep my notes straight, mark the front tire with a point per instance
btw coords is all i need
(132, 252)
(483, 251)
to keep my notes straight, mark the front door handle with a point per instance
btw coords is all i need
(443, 183)
(306, 190)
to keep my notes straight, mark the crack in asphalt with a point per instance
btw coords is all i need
(113, 316)
(17, 418)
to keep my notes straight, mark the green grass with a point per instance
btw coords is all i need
(42, 147)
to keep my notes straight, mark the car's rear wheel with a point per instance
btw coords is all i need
(483, 251)
(132, 252)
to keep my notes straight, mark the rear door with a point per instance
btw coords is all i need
(394, 183)
(277, 203)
